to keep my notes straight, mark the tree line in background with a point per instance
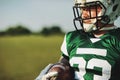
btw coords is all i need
(21, 30)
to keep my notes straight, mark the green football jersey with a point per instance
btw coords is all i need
(93, 58)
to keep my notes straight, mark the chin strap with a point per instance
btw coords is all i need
(104, 21)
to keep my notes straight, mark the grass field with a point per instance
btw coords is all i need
(23, 57)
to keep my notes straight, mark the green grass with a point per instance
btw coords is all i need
(23, 57)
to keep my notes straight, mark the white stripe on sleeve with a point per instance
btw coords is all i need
(64, 47)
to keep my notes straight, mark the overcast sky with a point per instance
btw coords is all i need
(35, 14)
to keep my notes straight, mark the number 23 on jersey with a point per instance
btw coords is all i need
(90, 64)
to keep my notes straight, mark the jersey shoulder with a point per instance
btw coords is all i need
(75, 34)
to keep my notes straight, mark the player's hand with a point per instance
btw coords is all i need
(50, 76)
(54, 73)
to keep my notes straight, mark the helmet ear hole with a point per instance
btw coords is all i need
(113, 1)
(115, 7)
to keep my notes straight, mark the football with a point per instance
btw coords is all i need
(64, 73)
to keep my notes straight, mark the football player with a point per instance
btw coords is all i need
(93, 52)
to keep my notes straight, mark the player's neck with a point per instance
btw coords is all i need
(102, 32)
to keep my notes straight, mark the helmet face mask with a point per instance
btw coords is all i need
(104, 16)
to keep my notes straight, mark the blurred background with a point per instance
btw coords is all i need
(31, 34)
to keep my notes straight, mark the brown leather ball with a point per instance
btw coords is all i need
(65, 73)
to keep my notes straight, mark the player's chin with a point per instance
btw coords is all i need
(63, 74)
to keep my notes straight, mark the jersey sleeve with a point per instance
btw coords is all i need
(70, 39)
(64, 47)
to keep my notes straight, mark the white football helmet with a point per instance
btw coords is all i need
(109, 13)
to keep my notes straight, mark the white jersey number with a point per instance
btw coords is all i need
(94, 62)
